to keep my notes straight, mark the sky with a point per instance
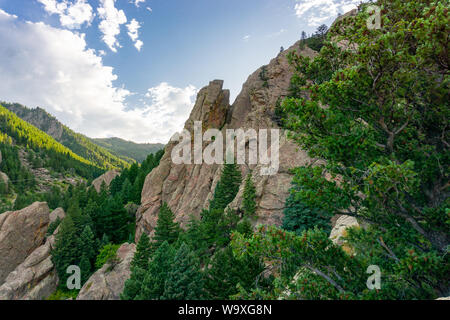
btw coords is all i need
(132, 68)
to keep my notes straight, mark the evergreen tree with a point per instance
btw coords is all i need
(248, 202)
(67, 250)
(157, 274)
(143, 253)
(166, 228)
(185, 280)
(133, 285)
(227, 187)
(87, 244)
(85, 268)
(226, 272)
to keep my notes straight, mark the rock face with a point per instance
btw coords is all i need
(21, 232)
(108, 282)
(187, 188)
(57, 213)
(106, 178)
(35, 278)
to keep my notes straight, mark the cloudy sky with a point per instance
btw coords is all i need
(132, 68)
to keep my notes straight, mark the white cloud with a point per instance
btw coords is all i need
(149, 9)
(137, 2)
(111, 19)
(53, 68)
(133, 33)
(246, 38)
(72, 15)
(317, 12)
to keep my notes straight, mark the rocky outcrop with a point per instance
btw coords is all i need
(108, 282)
(106, 178)
(188, 188)
(21, 232)
(57, 213)
(35, 278)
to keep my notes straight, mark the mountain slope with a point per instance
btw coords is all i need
(78, 143)
(128, 149)
(36, 163)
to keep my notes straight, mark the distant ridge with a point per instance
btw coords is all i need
(127, 149)
(77, 143)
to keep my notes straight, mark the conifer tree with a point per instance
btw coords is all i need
(185, 280)
(227, 187)
(143, 253)
(226, 272)
(133, 285)
(157, 274)
(166, 228)
(85, 268)
(67, 251)
(87, 244)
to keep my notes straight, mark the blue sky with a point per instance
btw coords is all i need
(131, 68)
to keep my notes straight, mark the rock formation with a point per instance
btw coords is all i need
(188, 188)
(35, 278)
(107, 177)
(57, 213)
(108, 282)
(21, 232)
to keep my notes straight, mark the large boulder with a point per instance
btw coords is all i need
(21, 232)
(187, 188)
(106, 178)
(33, 279)
(57, 213)
(108, 282)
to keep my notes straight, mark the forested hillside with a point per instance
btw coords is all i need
(77, 143)
(36, 163)
(128, 149)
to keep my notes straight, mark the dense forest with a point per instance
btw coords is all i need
(96, 223)
(77, 143)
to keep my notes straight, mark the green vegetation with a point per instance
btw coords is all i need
(383, 134)
(127, 149)
(95, 226)
(77, 143)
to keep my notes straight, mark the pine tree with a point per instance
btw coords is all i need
(166, 228)
(133, 285)
(67, 251)
(226, 272)
(85, 268)
(143, 253)
(87, 244)
(157, 275)
(185, 280)
(248, 202)
(227, 187)
(127, 191)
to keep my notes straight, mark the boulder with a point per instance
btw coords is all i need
(187, 188)
(107, 177)
(21, 232)
(108, 282)
(57, 213)
(339, 231)
(35, 278)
